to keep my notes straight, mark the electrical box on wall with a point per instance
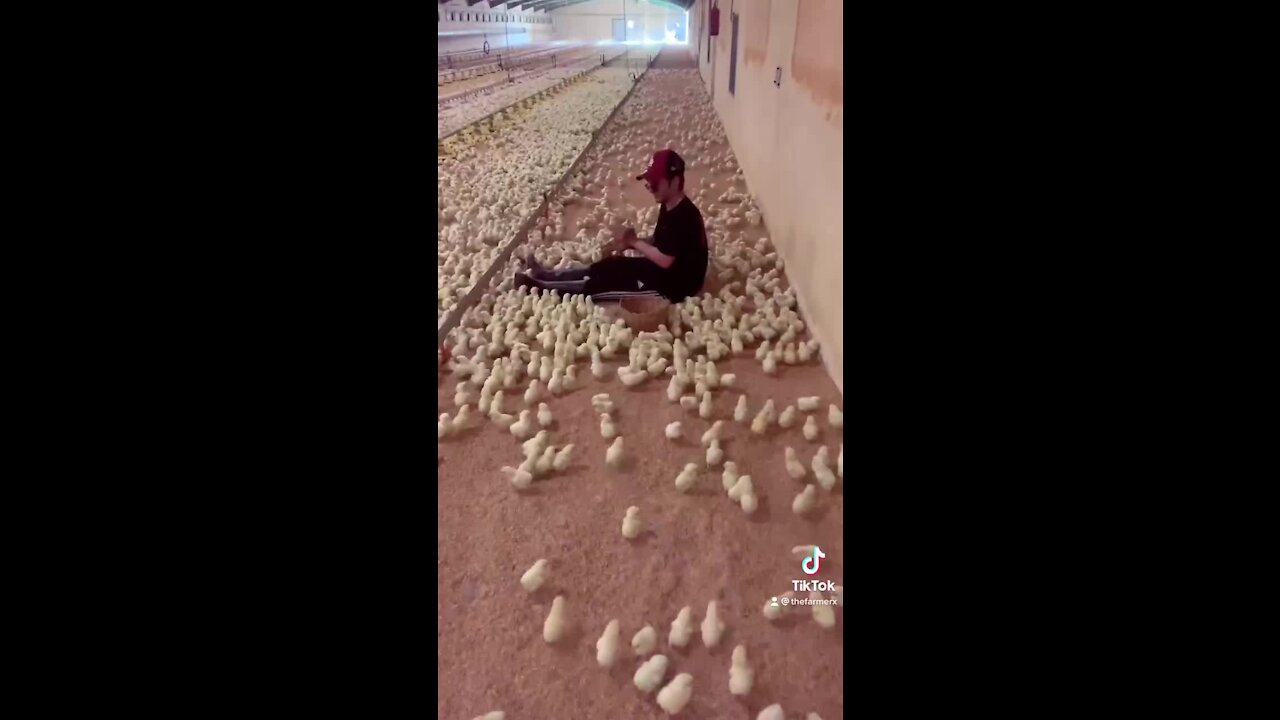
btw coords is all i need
(713, 22)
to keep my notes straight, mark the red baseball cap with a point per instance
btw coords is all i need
(666, 164)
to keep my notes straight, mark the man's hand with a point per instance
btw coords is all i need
(613, 247)
(623, 239)
(624, 236)
(656, 256)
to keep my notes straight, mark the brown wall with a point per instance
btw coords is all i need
(789, 139)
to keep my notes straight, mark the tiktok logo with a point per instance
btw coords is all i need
(811, 563)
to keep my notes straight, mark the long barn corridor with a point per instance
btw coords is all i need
(627, 493)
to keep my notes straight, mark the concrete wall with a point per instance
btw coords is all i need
(789, 139)
(593, 21)
(485, 24)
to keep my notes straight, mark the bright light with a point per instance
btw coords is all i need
(631, 24)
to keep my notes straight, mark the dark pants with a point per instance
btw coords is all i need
(573, 280)
(613, 278)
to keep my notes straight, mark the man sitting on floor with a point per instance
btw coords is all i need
(674, 263)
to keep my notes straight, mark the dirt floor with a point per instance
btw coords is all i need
(696, 548)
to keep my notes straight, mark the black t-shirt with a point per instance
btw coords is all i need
(681, 234)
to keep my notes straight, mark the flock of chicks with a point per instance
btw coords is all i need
(675, 695)
(648, 676)
(524, 153)
(544, 336)
(572, 328)
(668, 109)
(455, 113)
(526, 343)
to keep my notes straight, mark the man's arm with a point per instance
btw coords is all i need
(656, 256)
